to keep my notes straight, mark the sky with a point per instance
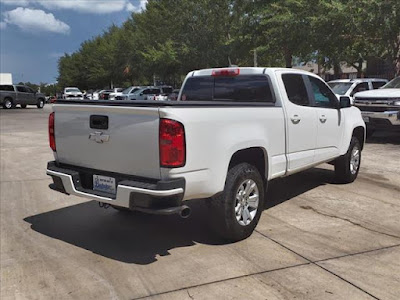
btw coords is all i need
(35, 33)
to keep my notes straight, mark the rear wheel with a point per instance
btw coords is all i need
(348, 165)
(8, 103)
(40, 103)
(238, 209)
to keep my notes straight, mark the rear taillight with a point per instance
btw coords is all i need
(52, 139)
(172, 144)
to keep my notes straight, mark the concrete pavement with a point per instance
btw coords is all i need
(316, 240)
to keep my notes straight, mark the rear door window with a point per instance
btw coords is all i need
(296, 89)
(245, 88)
(29, 90)
(22, 89)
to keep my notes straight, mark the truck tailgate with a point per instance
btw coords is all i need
(128, 146)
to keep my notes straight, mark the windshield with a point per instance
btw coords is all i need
(393, 84)
(126, 91)
(167, 90)
(137, 91)
(340, 88)
(73, 90)
(130, 90)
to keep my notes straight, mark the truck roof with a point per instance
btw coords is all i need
(358, 80)
(245, 71)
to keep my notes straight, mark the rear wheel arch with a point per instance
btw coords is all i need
(359, 133)
(256, 156)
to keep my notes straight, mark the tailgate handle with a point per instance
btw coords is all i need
(98, 122)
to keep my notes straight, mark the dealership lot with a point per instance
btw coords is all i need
(316, 240)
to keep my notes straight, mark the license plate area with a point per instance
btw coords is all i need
(104, 184)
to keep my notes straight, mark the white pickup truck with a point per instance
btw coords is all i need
(72, 93)
(230, 132)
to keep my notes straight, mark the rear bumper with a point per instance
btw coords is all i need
(162, 197)
(387, 118)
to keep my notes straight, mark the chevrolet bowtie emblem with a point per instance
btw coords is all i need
(99, 137)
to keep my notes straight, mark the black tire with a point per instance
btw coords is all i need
(40, 103)
(8, 103)
(23, 105)
(345, 169)
(223, 205)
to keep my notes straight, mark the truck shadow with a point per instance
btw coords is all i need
(286, 188)
(384, 137)
(139, 238)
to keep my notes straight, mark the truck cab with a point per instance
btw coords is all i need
(12, 95)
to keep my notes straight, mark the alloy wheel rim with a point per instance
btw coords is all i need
(354, 160)
(8, 104)
(247, 200)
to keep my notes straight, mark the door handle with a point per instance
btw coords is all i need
(322, 118)
(295, 119)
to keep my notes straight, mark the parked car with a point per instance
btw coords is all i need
(94, 95)
(231, 131)
(174, 95)
(115, 92)
(165, 91)
(127, 93)
(72, 93)
(147, 93)
(380, 108)
(348, 87)
(12, 95)
(104, 94)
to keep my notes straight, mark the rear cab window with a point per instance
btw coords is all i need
(243, 88)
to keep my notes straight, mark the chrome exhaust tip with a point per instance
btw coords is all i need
(185, 212)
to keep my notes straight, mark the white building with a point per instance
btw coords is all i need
(6, 78)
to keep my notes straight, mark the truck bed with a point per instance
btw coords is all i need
(154, 103)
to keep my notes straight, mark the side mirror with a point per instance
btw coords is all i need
(141, 94)
(345, 102)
